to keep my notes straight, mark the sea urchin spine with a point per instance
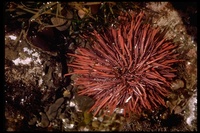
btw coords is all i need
(129, 67)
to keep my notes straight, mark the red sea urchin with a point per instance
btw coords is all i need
(129, 67)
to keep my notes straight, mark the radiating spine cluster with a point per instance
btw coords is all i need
(129, 67)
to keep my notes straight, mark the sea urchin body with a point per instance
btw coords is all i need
(129, 67)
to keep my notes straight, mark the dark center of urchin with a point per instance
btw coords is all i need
(130, 67)
(124, 75)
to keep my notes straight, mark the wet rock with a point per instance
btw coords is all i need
(67, 94)
(44, 120)
(84, 102)
(95, 124)
(63, 24)
(33, 121)
(52, 111)
(177, 84)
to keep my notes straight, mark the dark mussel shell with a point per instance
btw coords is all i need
(43, 38)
